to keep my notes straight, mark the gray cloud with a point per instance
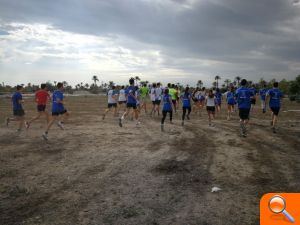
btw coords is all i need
(250, 37)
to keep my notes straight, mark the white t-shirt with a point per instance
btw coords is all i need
(122, 96)
(112, 97)
(158, 93)
(152, 94)
(210, 101)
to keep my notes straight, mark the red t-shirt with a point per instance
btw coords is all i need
(42, 97)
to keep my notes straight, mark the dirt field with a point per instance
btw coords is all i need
(95, 172)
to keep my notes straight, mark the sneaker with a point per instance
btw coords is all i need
(120, 122)
(27, 125)
(274, 130)
(103, 117)
(264, 111)
(162, 128)
(138, 123)
(188, 117)
(7, 121)
(45, 136)
(60, 125)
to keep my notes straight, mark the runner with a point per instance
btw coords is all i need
(144, 93)
(218, 96)
(210, 102)
(262, 94)
(167, 108)
(243, 96)
(253, 98)
(18, 111)
(131, 103)
(177, 94)
(274, 97)
(41, 98)
(230, 102)
(186, 104)
(153, 99)
(172, 92)
(112, 97)
(158, 97)
(58, 109)
(202, 96)
(122, 99)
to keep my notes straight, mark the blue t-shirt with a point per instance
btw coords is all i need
(56, 106)
(275, 97)
(186, 100)
(243, 96)
(262, 93)
(218, 96)
(166, 103)
(253, 91)
(131, 92)
(17, 96)
(230, 98)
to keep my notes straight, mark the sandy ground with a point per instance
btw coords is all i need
(95, 172)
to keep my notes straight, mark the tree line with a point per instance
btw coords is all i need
(289, 87)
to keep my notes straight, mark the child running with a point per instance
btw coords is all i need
(18, 111)
(262, 94)
(167, 108)
(274, 97)
(41, 98)
(112, 97)
(144, 91)
(230, 102)
(58, 109)
(243, 96)
(210, 102)
(186, 104)
(122, 98)
(131, 103)
(218, 96)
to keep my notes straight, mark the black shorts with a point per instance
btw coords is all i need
(187, 108)
(131, 105)
(122, 102)
(59, 113)
(41, 108)
(174, 102)
(19, 112)
(244, 114)
(110, 105)
(275, 110)
(211, 109)
(157, 102)
(253, 101)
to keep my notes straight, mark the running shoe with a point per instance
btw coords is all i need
(60, 125)
(45, 136)
(27, 125)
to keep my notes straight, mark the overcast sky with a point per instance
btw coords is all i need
(158, 40)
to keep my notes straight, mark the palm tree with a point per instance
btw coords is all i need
(87, 86)
(137, 78)
(111, 83)
(227, 82)
(214, 84)
(237, 78)
(217, 78)
(95, 79)
(199, 83)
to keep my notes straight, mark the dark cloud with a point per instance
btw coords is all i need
(228, 31)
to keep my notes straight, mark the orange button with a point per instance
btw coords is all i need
(280, 209)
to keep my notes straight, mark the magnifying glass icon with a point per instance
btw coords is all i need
(277, 205)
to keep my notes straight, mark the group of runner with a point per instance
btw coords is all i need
(42, 96)
(133, 100)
